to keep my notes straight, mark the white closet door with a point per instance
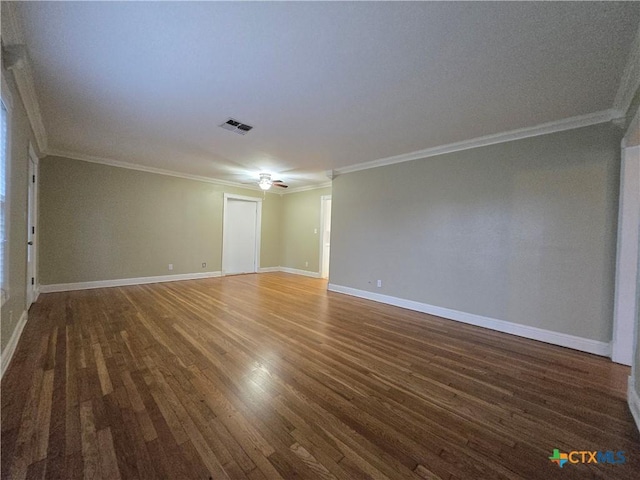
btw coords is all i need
(241, 236)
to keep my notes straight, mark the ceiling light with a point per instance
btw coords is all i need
(265, 181)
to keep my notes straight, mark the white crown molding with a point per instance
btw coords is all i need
(633, 400)
(307, 188)
(630, 80)
(143, 168)
(542, 129)
(27, 90)
(122, 282)
(534, 333)
(12, 34)
(10, 349)
(172, 173)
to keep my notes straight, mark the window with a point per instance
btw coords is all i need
(4, 153)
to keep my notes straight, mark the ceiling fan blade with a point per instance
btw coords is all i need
(281, 185)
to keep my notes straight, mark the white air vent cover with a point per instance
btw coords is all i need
(236, 126)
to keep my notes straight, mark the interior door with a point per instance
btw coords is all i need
(31, 230)
(240, 237)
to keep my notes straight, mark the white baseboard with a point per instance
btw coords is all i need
(634, 400)
(10, 349)
(296, 271)
(121, 282)
(268, 269)
(534, 333)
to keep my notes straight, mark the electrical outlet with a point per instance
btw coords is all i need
(306, 264)
(379, 283)
(171, 266)
(204, 264)
(315, 230)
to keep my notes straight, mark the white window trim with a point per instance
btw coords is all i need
(7, 100)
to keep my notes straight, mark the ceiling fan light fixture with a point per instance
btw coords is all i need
(265, 184)
(265, 181)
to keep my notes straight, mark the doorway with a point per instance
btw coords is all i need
(325, 237)
(32, 219)
(627, 278)
(242, 218)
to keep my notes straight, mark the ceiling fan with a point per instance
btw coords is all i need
(265, 182)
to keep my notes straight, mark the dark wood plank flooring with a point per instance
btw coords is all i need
(271, 376)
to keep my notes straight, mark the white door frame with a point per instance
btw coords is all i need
(225, 240)
(322, 219)
(32, 228)
(625, 298)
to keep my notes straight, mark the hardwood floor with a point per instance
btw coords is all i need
(271, 376)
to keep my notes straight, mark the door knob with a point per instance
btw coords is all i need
(29, 243)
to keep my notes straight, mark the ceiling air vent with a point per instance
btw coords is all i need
(234, 125)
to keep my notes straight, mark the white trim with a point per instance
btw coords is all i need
(10, 349)
(268, 269)
(25, 84)
(5, 93)
(122, 282)
(548, 336)
(12, 34)
(630, 80)
(246, 198)
(543, 129)
(296, 271)
(54, 152)
(225, 240)
(626, 275)
(5, 292)
(306, 188)
(32, 221)
(323, 213)
(143, 168)
(633, 400)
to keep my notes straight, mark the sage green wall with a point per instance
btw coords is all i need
(300, 218)
(99, 222)
(20, 135)
(271, 228)
(523, 231)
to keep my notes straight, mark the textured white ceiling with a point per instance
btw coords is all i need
(325, 85)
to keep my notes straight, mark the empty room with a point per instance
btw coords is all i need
(320, 240)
